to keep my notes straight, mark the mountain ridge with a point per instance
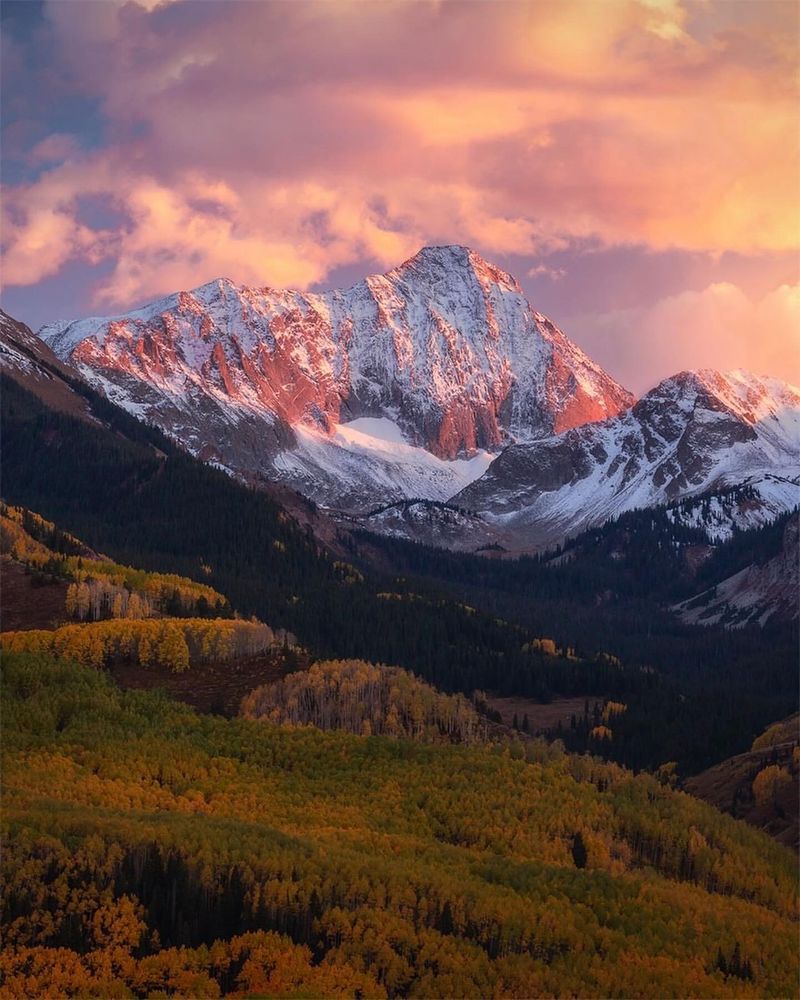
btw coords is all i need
(445, 346)
(436, 380)
(694, 433)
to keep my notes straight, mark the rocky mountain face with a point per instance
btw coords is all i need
(759, 593)
(444, 353)
(693, 435)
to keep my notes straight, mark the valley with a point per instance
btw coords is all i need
(342, 798)
(253, 703)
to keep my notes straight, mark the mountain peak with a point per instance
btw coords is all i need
(445, 347)
(454, 258)
(449, 255)
(749, 396)
(694, 434)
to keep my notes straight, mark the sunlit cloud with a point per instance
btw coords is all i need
(543, 271)
(716, 327)
(276, 143)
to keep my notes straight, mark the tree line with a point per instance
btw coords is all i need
(100, 587)
(171, 642)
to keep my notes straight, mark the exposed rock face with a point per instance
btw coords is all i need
(695, 432)
(445, 346)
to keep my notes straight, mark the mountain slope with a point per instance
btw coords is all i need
(30, 362)
(756, 593)
(695, 433)
(139, 831)
(761, 785)
(445, 347)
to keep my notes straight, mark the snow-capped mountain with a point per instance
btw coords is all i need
(698, 433)
(403, 385)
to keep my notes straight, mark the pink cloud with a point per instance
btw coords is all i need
(716, 327)
(543, 271)
(275, 143)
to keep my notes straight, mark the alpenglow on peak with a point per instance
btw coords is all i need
(446, 346)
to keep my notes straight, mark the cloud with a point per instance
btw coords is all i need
(543, 271)
(716, 327)
(276, 143)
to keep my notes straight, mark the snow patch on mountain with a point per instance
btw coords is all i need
(757, 501)
(433, 523)
(368, 459)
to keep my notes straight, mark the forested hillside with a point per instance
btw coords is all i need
(99, 588)
(461, 623)
(151, 849)
(608, 590)
(760, 786)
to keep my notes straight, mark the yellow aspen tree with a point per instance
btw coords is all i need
(769, 784)
(71, 603)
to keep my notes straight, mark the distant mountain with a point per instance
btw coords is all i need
(694, 435)
(403, 385)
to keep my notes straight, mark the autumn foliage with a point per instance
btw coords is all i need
(150, 851)
(100, 588)
(170, 642)
(365, 699)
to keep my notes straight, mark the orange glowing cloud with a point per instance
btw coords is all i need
(275, 143)
(717, 327)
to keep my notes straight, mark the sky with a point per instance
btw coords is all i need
(635, 164)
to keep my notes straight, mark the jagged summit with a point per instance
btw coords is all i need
(455, 259)
(736, 383)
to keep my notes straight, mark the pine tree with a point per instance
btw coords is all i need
(579, 853)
